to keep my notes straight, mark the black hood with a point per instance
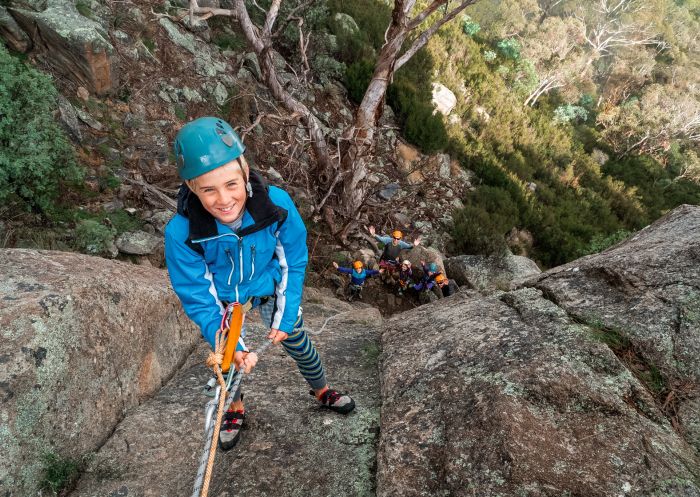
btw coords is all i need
(260, 207)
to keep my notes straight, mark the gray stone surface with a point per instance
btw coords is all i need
(13, 35)
(647, 290)
(290, 446)
(83, 340)
(489, 273)
(138, 243)
(72, 44)
(508, 396)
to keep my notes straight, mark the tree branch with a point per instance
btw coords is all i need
(417, 20)
(423, 38)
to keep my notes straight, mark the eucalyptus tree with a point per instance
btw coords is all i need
(343, 171)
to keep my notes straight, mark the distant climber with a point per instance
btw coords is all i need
(235, 239)
(358, 275)
(444, 286)
(405, 277)
(430, 272)
(393, 245)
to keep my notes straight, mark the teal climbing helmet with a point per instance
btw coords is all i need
(205, 144)
(432, 267)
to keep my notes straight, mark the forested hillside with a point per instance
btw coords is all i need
(582, 120)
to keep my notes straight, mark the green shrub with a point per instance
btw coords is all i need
(36, 159)
(357, 78)
(509, 48)
(94, 238)
(326, 68)
(59, 473)
(228, 41)
(415, 112)
(469, 26)
(567, 113)
(600, 242)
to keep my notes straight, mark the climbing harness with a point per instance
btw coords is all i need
(220, 361)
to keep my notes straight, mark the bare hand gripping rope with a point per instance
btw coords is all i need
(220, 361)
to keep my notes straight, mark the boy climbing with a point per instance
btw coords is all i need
(393, 245)
(358, 275)
(234, 239)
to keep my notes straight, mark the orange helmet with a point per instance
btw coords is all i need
(440, 278)
(397, 234)
(357, 264)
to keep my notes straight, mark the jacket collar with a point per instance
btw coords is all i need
(260, 212)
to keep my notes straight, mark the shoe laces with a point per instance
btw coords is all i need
(330, 397)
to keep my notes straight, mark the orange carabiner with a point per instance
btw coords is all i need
(234, 333)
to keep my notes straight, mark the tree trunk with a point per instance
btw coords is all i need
(358, 140)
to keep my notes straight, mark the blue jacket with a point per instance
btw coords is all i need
(358, 279)
(209, 264)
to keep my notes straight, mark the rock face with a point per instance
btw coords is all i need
(290, 446)
(10, 31)
(507, 395)
(74, 45)
(490, 273)
(443, 99)
(644, 294)
(83, 340)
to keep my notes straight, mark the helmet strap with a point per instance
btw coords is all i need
(248, 186)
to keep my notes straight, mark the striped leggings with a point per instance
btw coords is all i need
(298, 346)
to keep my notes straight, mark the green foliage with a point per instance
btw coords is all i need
(180, 112)
(469, 26)
(94, 238)
(36, 159)
(414, 110)
(327, 68)
(601, 242)
(149, 44)
(480, 227)
(567, 113)
(59, 473)
(509, 48)
(357, 78)
(490, 55)
(83, 6)
(228, 41)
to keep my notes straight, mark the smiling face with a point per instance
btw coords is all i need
(222, 191)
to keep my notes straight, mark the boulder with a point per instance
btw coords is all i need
(443, 99)
(422, 253)
(13, 35)
(389, 191)
(643, 294)
(509, 396)
(290, 445)
(84, 339)
(489, 273)
(75, 46)
(138, 243)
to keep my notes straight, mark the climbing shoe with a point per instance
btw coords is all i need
(230, 432)
(335, 401)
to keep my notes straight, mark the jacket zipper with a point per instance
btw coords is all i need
(230, 275)
(240, 261)
(252, 261)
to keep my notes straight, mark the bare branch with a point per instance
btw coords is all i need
(417, 20)
(423, 38)
(270, 19)
(292, 16)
